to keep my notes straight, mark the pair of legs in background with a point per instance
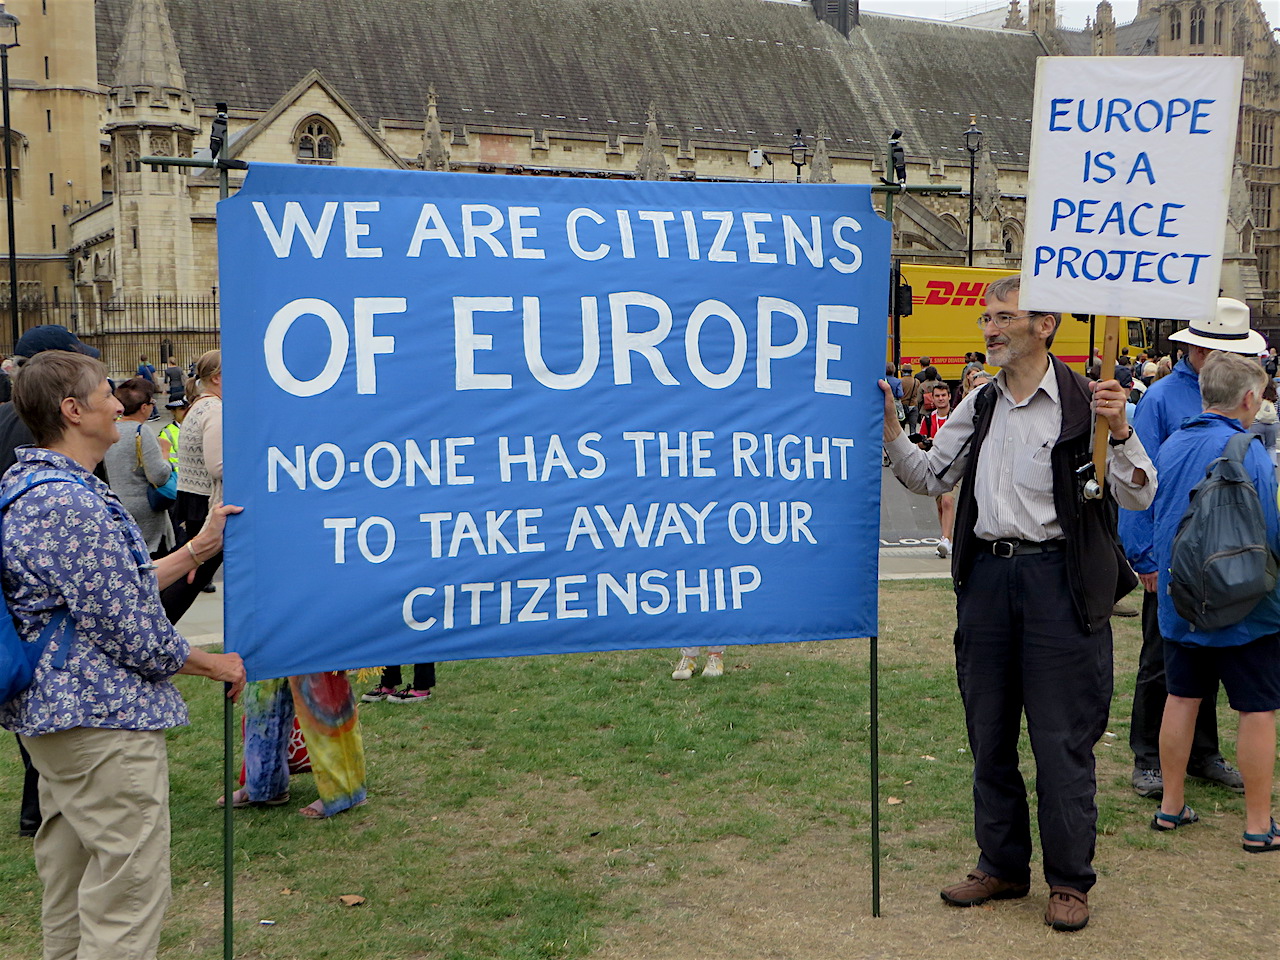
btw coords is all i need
(326, 710)
(946, 504)
(424, 678)
(1250, 673)
(1149, 692)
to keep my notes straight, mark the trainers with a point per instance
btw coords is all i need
(1148, 783)
(1221, 773)
(684, 669)
(944, 548)
(1068, 909)
(714, 667)
(978, 887)
(409, 695)
(377, 694)
(1124, 610)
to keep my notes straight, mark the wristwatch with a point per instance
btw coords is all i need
(1125, 439)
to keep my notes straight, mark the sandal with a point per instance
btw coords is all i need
(1263, 842)
(1172, 821)
(311, 812)
(240, 800)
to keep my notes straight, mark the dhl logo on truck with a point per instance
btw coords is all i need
(944, 293)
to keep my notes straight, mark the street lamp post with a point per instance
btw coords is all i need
(972, 143)
(8, 40)
(799, 153)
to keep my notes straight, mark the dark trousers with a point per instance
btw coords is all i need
(1148, 703)
(178, 597)
(424, 676)
(1020, 649)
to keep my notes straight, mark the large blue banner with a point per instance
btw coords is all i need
(477, 416)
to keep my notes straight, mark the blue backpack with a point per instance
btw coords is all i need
(18, 657)
(1221, 566)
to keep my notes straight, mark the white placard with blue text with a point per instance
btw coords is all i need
(1131, 161)
(476, 416)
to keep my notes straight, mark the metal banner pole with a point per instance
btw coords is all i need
(875, 776)
(228, 723)
(228, 822)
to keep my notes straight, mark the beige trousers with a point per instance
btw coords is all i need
(102, 852)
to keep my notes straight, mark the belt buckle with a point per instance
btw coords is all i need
(1004, 549)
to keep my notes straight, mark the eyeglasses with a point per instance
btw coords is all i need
(1002, 320)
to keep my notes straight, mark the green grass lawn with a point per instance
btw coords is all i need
(536, 804)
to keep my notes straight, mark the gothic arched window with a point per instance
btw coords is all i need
(1012, 237)
(1197, 26)
(1175, 24)
(316, 141)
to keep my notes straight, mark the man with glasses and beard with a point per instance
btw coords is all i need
(1037, 569)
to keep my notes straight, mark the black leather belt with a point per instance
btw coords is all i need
(1020, 548)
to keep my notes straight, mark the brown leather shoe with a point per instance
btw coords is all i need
(979, 887)
(1068, 909)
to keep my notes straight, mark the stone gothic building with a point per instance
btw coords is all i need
(712, 89)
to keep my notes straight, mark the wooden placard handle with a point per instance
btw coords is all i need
(1101, 429)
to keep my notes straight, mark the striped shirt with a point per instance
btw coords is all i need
(1014, 489)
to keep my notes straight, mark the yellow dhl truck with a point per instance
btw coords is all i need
(946, 302)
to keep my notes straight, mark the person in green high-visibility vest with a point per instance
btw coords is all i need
(168, 438)
(169, 432)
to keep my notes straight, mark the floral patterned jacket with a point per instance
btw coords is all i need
(65, 547)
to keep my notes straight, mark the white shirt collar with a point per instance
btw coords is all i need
(1048, 383)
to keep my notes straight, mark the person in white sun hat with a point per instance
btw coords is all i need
(1169, 402)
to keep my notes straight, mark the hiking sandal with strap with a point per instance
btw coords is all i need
(1263, 842)
(1172, 821)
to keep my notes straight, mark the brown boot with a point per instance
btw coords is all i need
(1068, 909)
(978, 887)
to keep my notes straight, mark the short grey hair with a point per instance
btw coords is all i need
(1226, 377)
(1008, 288)
(47, 379)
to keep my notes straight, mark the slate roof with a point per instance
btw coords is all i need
(735, 71)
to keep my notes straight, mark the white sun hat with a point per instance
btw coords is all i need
(1228, 330)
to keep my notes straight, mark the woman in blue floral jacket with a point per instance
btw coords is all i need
(94, 716)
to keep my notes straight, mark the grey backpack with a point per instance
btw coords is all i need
(1222, 566)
